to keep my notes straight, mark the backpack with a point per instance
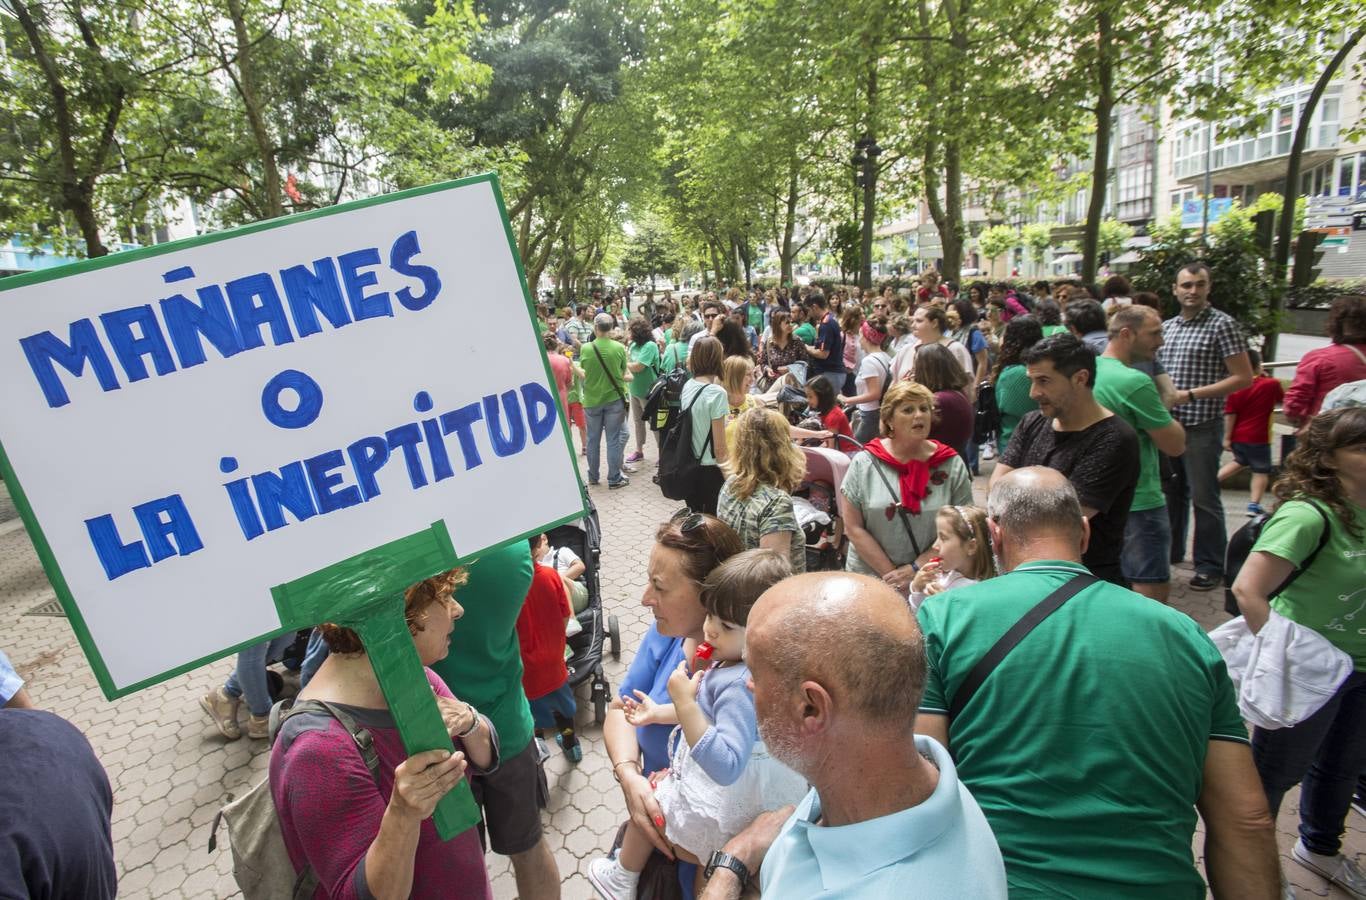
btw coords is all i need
(679, 467)
(260, 861)
(987, 418)
(660, 409)
(1240, 545)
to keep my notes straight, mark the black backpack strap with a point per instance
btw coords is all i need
(1308, 560)
(1028, 622)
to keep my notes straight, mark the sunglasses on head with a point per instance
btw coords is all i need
(687, 520)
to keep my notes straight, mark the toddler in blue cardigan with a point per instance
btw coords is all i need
(720, 775)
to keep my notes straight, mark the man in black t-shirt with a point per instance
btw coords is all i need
(827, 354)
(1072, 433)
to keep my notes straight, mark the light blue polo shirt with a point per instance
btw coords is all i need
(940, 848)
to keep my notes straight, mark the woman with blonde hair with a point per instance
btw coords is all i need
(737, 377)
(893, 491)
(763, 470)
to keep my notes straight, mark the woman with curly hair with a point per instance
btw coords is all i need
(363, 831)
(1322, 513)
(756, 499)
(1010, 379)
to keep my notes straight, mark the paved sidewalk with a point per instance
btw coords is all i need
(171, 770)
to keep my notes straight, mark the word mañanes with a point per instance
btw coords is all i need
(241, 315)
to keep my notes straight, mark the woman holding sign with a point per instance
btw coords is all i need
(365, 835)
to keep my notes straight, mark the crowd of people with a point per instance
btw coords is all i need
(986, 700)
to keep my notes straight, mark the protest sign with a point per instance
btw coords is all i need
(221, 439)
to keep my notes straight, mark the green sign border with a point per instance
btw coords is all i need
(40, 543)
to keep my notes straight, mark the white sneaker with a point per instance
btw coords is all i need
(611, 881)
(1338, 869)
(988, 452)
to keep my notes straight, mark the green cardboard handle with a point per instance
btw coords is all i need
(365, 593)
(389, 645)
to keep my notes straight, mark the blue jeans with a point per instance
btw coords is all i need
(249, 678)
(1197, 472)
(1324, 754)
(313, 658)
(609, 418)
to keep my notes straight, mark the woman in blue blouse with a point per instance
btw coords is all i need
(686, 549)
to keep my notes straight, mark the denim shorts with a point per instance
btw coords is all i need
(1145, 558)
(561, 700)
(1256, 457)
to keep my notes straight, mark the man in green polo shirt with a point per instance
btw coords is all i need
(604, 400)
(1093, 741)
(1135, 333)
(484, 666)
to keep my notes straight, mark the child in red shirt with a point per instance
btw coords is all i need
(820, 396)
(1247, 430)
(541, 634)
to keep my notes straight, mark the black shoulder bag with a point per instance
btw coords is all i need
(901, 510)
(1028, 622)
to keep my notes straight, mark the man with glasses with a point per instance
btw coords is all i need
(713, 315)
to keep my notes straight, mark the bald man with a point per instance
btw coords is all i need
(837, 667)
(1093, 741)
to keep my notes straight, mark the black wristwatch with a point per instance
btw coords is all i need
(723, 860)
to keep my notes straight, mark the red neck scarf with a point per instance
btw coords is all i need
(915, 474)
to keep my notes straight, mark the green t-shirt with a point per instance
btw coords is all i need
(648, 355)
(597, 387)
(755, 315)
(807, 332)
(1131, 395)
(1086, 746)
(713, 404)
(1330, 595)
(675, 356)
(1050, 330)
(484, 665)
(1012, 399)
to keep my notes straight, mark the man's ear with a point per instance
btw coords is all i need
(1085, 534)
(816, 707)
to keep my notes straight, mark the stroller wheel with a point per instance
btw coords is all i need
(614, 636)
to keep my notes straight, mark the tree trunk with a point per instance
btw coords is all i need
(1292, 192)
(951, 234)
(787, 253)
(251, 103)
(77, 189)
(1100, 168)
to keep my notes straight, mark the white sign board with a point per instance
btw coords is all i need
(188, 426)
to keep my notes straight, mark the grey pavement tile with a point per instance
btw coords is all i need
(171, 771)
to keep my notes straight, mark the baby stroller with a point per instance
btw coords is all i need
(584, 537)
(816, 503)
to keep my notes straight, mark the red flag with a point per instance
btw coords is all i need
(292, 189)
